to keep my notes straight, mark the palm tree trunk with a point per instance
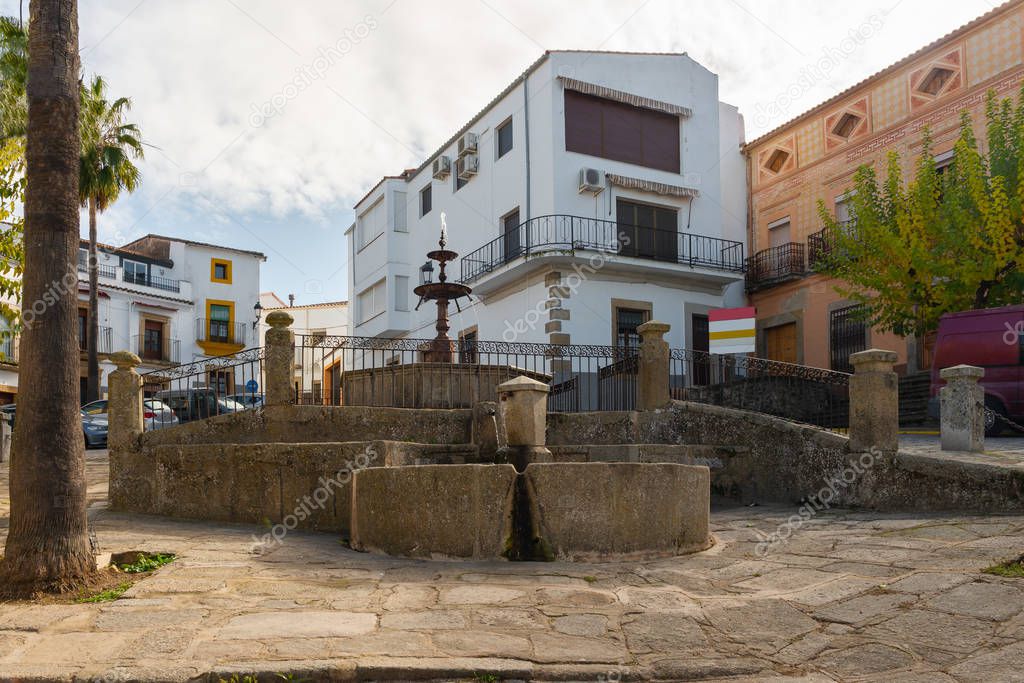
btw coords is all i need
(48, 541)
(92, 390)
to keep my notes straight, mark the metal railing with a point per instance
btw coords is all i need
(9, 350)
(163, 349)
(220, 331)
(795, 392)
(822, 243)
(102, 270)
(166, 284)
(104, 341)
(776, 264)
(399, 373)
(565, 233)
(205, 388)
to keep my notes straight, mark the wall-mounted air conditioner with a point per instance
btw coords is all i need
(442, 167)
(467, 144)
(591, 180)
(466, 167)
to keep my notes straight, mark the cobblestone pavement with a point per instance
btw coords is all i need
(1010, 445)
(851, 596)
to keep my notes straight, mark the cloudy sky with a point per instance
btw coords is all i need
(267, 120)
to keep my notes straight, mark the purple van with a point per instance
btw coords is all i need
(991, 338)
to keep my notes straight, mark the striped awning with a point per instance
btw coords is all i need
(651, 186)
(625, 97)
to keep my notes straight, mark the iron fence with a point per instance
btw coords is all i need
(776, 264)
(565, 233)
(164, 283)
(405, 373)
(795, 392)
(209, 386)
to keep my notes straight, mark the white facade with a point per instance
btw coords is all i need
(158, 295)
(513, 296)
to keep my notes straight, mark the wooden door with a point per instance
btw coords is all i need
(780, 343)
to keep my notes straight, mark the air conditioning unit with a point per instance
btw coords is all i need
(442, 167)
(591, 180)
(466, 167)
(467, 144)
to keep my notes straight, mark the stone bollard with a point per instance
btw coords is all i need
(5, 437)
(124, 410)
(279, 360)
(523, 416)
(653, 374)
(962, 409)
(874, 402)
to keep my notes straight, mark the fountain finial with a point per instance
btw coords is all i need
(444, 231)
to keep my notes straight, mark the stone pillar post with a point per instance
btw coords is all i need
(962, 409)
(652, 376)
(279, 360)
(874, 401)
(124, 411)
(5, 437)
(523, 414)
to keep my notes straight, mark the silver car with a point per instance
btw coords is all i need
(155, 413)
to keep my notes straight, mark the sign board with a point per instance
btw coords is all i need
(732, 330)
(252, 386)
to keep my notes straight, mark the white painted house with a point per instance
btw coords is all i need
(597, 191)
(171, 301)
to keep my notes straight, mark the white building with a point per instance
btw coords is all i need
(171, 301)
(583, 148)
(317, 365)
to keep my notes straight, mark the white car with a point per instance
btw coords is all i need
(155, 413)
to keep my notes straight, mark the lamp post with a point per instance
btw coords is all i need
(258, 309)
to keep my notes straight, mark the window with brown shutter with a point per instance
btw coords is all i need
(621, 132)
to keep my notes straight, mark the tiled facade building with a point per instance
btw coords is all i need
(800, 316)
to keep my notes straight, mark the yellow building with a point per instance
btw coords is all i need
(800, 316)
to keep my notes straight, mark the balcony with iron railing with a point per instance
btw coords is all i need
(9, 350)
(776, 265)
(119, 274)
(102, 270)
(163, 283)
(104, 340)
(156, 348)
(823, 243)
(220, 332)
(564, 233)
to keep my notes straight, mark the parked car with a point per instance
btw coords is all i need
(197, 404)
(94, 427)
(248, 400)
(991, 338)
(155, 413)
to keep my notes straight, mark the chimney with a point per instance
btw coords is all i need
(291, 300)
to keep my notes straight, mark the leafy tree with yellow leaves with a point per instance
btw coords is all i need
(944, 241)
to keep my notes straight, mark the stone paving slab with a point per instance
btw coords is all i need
(851, 596)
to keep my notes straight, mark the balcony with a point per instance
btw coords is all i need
(156, 349)
(104, 341)
(562, 233)
(109, 272)
(823, 243)
(9, 351)
(220, 334)
(776, 265)
(166, 284)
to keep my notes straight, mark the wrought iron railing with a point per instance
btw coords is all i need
(160, 349)
(104, 340)
(795, 392)
(564, 233)
(220, 331)
(9, 350)
(166, 284)
(776, 264)
(102, 270)
(208, 387)
(822, 243)
(334, 370)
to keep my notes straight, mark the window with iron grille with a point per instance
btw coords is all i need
(626, 322)
(847, 334)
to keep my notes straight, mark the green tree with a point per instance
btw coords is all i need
(109, 146)
(942, 242)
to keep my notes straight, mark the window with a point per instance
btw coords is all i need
(779, 232)
(935, 80)
(621, 132)
(220, 382)
(220, 271)
(317, 337)
(400, 209)
(943, 162)
(459, 182)
(647, 231)
(626, 322)
(512, 239)
(847, 334)
(846, 124)
(426, 201)
(83, 328)
(220, 323)
(402, 290)
(134, 272)
(153, 340)
(468, 346)
(370, 224)
(371, 301)
(504, 138)
(777, 160)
